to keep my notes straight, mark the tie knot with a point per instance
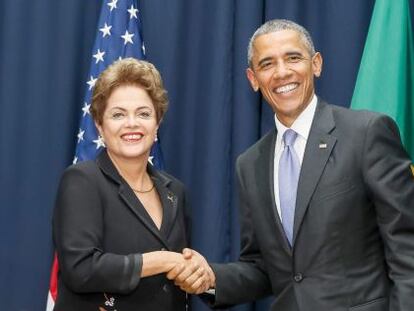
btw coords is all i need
(289, 137)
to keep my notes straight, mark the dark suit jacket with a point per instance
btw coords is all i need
(353, 228)
(100, 231)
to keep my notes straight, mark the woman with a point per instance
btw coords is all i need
(119, 225)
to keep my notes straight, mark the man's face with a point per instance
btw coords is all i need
(284, 70)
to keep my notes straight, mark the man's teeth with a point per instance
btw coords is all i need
(286, 88)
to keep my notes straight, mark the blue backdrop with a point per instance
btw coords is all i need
(200, 48)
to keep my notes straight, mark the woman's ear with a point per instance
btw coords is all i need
(99, 128)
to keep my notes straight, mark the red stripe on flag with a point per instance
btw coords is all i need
(53, 278)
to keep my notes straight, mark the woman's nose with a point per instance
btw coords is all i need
(132, 120)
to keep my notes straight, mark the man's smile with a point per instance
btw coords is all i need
(286, 88)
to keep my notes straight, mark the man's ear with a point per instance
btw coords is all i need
(317, 64)
(252, 79)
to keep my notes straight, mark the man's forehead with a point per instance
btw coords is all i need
(278, 37)
(279, 42)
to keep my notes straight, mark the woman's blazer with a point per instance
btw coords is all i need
(101, 230)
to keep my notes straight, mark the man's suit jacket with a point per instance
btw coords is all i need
(100, 231)
(353, 241)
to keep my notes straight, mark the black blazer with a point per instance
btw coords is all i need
(353, 241)
(100, 231)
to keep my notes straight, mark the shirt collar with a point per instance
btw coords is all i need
(303, 122)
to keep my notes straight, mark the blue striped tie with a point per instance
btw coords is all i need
(289, 168)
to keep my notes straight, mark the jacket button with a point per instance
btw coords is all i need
(165, 288)
(298, 277)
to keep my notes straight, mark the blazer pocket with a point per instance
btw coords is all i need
(329, 191)
(379, 304)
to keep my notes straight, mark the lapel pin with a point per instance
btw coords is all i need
(170, 197)
(323, 146)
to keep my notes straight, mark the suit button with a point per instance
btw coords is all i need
(165, 288)
(298, 277)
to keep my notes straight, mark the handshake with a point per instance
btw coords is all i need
(191, 272)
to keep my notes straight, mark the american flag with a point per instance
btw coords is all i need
(118, 36)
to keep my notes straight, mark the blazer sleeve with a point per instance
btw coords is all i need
(78, 236)
(245, 280)
(390, 180)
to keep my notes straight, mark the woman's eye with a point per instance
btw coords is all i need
(117, 115)
(145, 114)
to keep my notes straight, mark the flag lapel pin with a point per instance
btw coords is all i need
(323, 146)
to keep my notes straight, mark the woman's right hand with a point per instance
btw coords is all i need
(194, 275)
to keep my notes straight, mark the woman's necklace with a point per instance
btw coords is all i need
(144, 191)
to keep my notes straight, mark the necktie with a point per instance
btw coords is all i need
(289, 168)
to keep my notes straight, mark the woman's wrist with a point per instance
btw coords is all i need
(159, 262)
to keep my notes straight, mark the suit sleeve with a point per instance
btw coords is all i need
(390, 180)
(245, 280)
(78, 236)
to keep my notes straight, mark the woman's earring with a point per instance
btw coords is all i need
(101, 141)
(156, 136)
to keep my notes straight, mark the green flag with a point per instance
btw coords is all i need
(385, 80)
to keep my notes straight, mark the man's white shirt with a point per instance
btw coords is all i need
(302, 127)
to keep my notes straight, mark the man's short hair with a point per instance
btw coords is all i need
(275, 25)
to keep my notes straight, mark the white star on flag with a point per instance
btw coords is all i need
(127, 37)
(75, 160)
(91, 82)
(132, 12)
(112, 4)
(80, 135)
(86, 108)
(99, 142)
(106, 30)
(150, 159)
(143, 48)
(99, 56)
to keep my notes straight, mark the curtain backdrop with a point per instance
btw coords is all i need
(200, 48)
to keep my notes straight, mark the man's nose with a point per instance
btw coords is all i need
(281, 70)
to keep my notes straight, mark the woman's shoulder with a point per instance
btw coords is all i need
(88, 166)
(81, 170)
(167, 178)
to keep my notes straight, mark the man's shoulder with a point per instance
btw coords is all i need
(348, 119)
(348, 113)
(262, 145)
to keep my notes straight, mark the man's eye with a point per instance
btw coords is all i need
(294, 59)
(265, 65)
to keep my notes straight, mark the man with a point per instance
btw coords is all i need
(326, 198)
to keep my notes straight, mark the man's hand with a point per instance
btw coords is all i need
(194, 275)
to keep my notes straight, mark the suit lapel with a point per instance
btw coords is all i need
(169, 201)
(129, 197)
(138, 209)
(264, 169)
(319, 146)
